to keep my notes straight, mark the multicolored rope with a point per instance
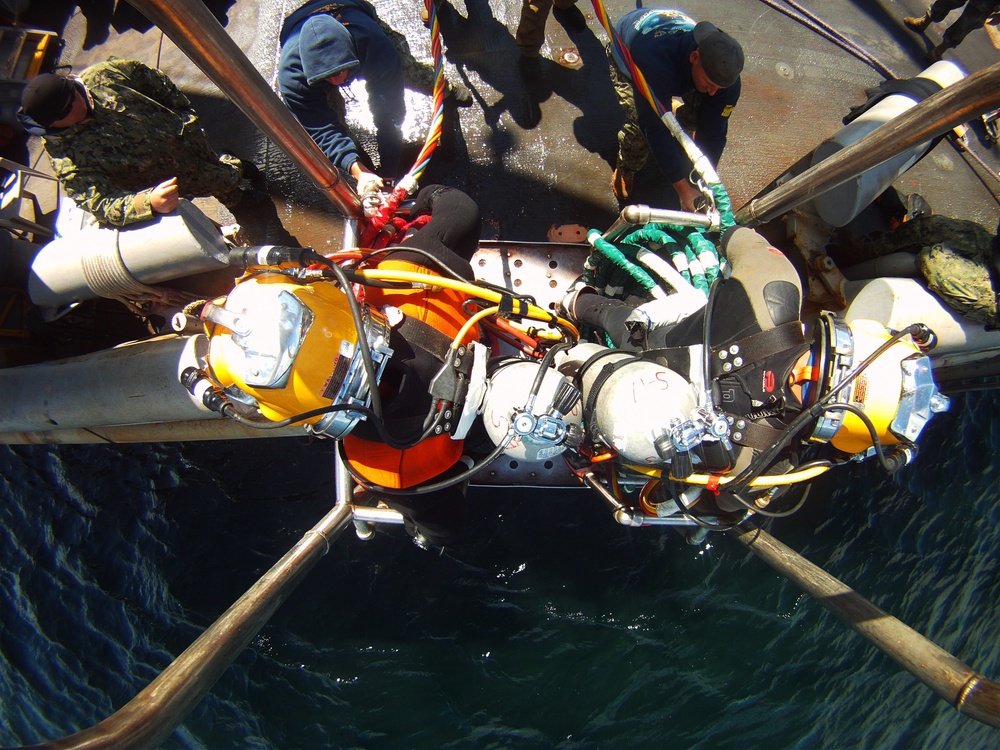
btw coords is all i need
(407, 185)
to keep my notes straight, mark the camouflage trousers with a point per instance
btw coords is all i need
(633, 149)
(973, 17)
(200, 171)
(530, 34)
(953, 256)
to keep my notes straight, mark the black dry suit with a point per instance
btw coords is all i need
(756, 338)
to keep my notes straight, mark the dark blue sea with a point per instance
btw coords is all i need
(549, 627)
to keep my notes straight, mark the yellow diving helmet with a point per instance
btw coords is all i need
(292, 348)
(896, 392)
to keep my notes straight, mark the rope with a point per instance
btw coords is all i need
(821, 27)
(408, 184)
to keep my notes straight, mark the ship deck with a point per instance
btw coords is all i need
(539, 163)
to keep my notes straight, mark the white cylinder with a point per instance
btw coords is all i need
(508, 390)
(897, 303)
(183, 243)
(132, 384)
(634, 405)
(841, 204)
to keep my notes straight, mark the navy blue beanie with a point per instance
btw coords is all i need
(326, 48)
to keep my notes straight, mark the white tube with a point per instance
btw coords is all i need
(666, 271)
(183, 243)
(840, 205)
(896, 303)
(137, 383)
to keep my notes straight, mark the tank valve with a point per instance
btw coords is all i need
(924, 338)
(203, 389)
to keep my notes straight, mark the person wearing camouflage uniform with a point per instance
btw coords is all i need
(955, 257)
(139, 131)
(973, 17)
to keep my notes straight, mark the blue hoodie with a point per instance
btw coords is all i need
(322, 39)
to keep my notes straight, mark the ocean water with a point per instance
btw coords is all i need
(548, 627)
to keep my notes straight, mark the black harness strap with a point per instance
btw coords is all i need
(431, 340)
(737, 355)
(602, 376)
(510, 305)
(755, 435)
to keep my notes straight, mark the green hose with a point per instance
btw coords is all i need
(607, 259)
(613, 268)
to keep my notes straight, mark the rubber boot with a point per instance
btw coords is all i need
(918, 23)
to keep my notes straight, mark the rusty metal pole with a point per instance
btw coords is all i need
(153, 715)
(197, 33)
(936, 115)
(967, 691)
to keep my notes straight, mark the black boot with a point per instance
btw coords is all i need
(918, 23)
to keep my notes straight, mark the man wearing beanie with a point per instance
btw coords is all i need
(678, 58)
(125, 143)
(327, 45)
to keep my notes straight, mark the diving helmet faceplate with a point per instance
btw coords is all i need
(294, 348)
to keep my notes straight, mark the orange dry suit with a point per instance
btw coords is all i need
(432, 318)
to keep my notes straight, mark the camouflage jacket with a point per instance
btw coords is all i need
(127, 145)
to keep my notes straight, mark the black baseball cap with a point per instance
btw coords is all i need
(721, 55)
(47, 98)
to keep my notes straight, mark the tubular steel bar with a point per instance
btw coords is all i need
(193, 28)
(640, 215)
(955, 682)
(149, 718)
(936, 115)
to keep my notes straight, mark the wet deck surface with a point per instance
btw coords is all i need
(534, 162)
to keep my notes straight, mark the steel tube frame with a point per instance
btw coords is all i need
(640, 214)
(197, 33)
(967, 691)
(153, 715)
(218, 428)
(936, 115)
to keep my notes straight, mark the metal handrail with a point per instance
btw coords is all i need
(934, 116)
(152, 715)
(967, 691)
(196, 32)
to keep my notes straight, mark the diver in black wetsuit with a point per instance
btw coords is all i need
(759, 351)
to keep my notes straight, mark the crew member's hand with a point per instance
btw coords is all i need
(688, 194)
(368, 182)
(164, 197)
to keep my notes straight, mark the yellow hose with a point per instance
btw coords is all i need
(766, 480)
(484, 313)
(533, 311)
